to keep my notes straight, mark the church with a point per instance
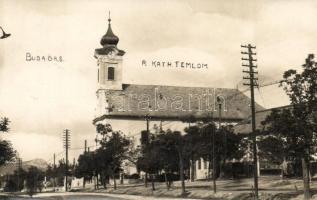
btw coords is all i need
(126, 106)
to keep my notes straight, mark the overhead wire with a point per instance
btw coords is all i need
(259, 86)
(261, 96)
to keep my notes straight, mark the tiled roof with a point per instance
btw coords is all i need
(128, 103)
(244, 127)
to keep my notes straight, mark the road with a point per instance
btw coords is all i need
(82, 196)
(63, 197)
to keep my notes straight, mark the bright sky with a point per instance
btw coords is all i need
(43, 98)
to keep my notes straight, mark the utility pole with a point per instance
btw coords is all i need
(74, 164)
(224, 157)
(192, 163)
(85, 146)
(54, 171)
(66, 140)
(18, 169)
(252, 82)
(19, 166)
(214, 159)
(147, 118)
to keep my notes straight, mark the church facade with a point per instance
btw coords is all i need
(123, 103)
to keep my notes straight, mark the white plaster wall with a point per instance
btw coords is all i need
(202, 173)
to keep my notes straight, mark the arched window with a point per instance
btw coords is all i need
(110, 73)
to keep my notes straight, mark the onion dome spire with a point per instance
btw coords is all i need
(109, 38)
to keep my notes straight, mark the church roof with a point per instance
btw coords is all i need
(245, 126)
(176, 103)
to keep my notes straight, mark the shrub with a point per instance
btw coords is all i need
(132, 176)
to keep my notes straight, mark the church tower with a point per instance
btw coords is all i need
(109, 61)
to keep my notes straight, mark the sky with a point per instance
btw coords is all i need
(42, 98)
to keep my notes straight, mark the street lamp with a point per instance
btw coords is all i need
(214, 159)
(4, 34)
(220, 102)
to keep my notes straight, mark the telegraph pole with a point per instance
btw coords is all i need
(54, 171)
(252, 82)
(147, 119)
(54, 161)
(66, 138)
(214, 159)
(19, 166)
(85, 146)
(224, 157)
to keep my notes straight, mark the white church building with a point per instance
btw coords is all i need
(125, 105)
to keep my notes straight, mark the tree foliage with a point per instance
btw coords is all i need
(108, 159)
(173, 145)
(85, 166)
(172, 151)
(4, 124)
(199, 143)
(15, 181)
(7, 153)
(293, 129)
(34, 180)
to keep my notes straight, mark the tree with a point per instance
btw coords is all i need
(156, 156)
(85, 167)
(60, 172)
(15, 181)
(113, 151)
(149, 161)
(193, 139)
(117, 147)
(278, 141)
(7, 153)
(170, 163)
(173, 144)
(34, 180)
(298, 124)
(234, 148)
(102, 162)
(273, 148)
(4, 124)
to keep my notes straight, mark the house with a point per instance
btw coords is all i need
(245, 128)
